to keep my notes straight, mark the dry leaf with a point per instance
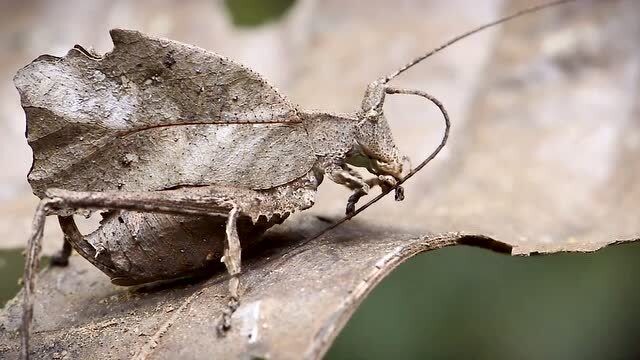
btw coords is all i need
(138, 119)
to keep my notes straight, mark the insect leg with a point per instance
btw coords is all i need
(344, 175)
(63, 201)
(172, 202)
(32, 261)
(232, 260)
(385, 182)
(61, 258)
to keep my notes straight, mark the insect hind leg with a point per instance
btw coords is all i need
(31, 265)
(62, 201)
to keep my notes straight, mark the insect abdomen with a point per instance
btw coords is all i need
(135, 248)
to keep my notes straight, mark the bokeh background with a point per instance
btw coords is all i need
(453, 303)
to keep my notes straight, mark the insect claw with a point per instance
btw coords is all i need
(399, 193)
(224, 324)
(351, 208)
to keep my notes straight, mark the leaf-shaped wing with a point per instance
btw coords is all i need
(155, 114)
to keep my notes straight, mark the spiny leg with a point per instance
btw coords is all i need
(344, 175)
(61, 258)
(62, 201)
(31, 264)
(232, 260)
(385, 182)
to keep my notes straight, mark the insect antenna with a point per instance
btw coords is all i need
(474, 31)
(443, 142)
(392, 90)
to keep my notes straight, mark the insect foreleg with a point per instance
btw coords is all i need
(385, 182)
(344, 175)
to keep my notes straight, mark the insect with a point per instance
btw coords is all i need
(173, 142)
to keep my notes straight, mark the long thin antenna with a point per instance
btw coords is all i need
(443, 142)
(473, 31)
(391, 90)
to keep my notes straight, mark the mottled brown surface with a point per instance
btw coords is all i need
(154, 114)
(542, 158)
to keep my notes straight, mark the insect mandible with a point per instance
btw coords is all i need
(213, 152)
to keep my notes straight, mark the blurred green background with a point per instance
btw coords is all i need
(249, 13)
(11, 266)
(467, 303)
